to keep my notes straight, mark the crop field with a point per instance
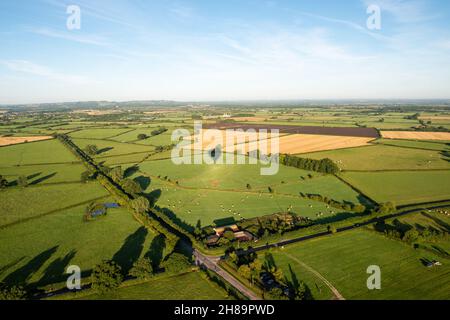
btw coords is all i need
(416, 135)
(402, 187)
(384, 157)
(342, 259)
(180, 287)
(6, 141)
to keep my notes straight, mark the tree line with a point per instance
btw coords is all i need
(324, 165)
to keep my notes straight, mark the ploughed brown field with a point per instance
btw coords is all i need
(329, 131)
(416, 135)
(7, 141)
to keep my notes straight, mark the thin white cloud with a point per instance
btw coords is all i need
(405, 11)
(28, 67)
(71, 36)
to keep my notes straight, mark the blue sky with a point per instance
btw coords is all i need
(223, 50)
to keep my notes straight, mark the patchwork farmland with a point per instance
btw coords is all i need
(341, 178)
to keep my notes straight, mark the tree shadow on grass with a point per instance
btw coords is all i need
(131, 250)
(4, 268)
(438, 221)
(143, 181)
(103, 150)
(156, 251)
(42, 179)
(22, 275)
(55, 272)
(130, 171)
(153, 196)
(183, 224)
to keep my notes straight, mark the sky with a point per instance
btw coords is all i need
(210, 50)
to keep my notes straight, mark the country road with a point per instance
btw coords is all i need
(212, 264)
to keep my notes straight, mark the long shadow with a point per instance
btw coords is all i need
(296, 284)
(130, 171)
(183, 224)
(143, 181)
(22, 275)
(42, 179)
(153, 196)
(131, 250)
(103, 150)
(10, 265)
(156, 251)
(269, 261)
(55, 272)
(438, 221)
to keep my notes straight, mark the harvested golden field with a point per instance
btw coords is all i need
(294, 143)
(416, 135)
(7, 141)
(444, 118)
(304, 143)
(250, 119)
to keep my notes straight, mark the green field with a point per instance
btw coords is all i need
(43, 174)
(24, 203)
(111, 148)
(402, 187)
(343, 259)
(39, 250)
(381, 157)
(43, 152)
(189, 286)
(98, 133)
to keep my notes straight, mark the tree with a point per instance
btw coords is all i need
(3, 182)
(85, 176)
(22, 181)
(331, 229)
(176, 263)
(142, 269)
(245, 271)
(140, 205)
(277, 294)
(106, 276)
(142, 136)
(116, 173)
(91, 149)
(131, 186)
(11, 292)
(229, 235)
(411, 236)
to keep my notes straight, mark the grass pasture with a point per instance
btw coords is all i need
(99, 133)
(111, 148)
(188, 286)
(49, 244)
(43, 152)
(343, 259)
(384, 157)
(402, 187)
(23, 203)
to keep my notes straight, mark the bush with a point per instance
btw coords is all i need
(142, 269)
(11, 292)
(106, 276)
(176, 263)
